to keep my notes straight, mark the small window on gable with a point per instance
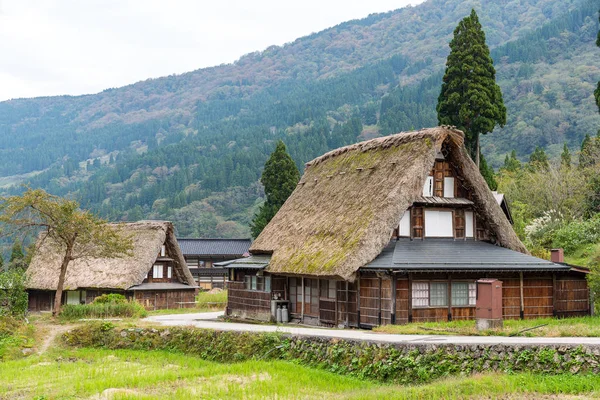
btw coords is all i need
(404, 229)
(449, 187)
(469, 224)
(169, 272)
(163, 251)
(157, 271)
(428, 187)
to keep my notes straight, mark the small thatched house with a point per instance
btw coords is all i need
(156, 275)
(392, 230)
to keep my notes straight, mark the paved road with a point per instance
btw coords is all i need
(209, 321)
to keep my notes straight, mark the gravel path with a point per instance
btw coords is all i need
(210, 321)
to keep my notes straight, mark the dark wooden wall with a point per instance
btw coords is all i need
(165, 299)
(572, 296)
(249, 303)
(375, 300)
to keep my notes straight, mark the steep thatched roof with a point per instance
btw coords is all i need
(343, 212)
(110, 273)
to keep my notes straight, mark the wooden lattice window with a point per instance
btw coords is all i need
(417, 222)
(459, 223)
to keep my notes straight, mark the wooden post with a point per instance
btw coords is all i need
(410, 314)
(554, 300)
(336, 302)
(449, 297)
(393, 285)
(522, 311)
(303, 299)
(347, 305)
(380, 302)
(358, 301)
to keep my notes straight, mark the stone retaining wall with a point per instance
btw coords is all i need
(399, 362)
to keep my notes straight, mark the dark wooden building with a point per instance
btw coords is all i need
(156, 274)
(202, 254)
(394, 230)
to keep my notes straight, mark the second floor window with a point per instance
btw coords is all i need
(157, 271)
(428, 187)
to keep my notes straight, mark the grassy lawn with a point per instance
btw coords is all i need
(125, 374)
(582, 327)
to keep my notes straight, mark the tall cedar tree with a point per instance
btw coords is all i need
(77, 234)
(470, 99)
(17, 257)
(597, 91)
(488, 174)
(279, 178)
(565, 157)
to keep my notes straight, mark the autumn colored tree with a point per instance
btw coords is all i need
(279, 178)
(76, 233)
(470, 99)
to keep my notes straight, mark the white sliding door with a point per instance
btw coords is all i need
(438, 223)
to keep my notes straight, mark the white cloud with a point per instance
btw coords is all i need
(52, 47)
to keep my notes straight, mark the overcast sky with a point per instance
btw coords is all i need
(52, 47)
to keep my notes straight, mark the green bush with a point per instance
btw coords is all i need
(113, 298)
(577, 233)
(13, 296)
(128, 309)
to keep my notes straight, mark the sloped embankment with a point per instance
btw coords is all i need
(400, 363)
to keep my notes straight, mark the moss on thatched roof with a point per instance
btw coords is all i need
(343, 211)
(110, 273)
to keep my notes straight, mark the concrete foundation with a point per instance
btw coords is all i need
(483, 324)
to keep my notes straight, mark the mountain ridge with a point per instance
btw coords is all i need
(136, 152)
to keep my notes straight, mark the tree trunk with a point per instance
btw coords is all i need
(477, 151)
(61, 281)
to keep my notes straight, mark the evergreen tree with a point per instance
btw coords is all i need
(597, 91)
(488, 173)
(1, 263)
(586, 152)
(470, 99)
(279, 178)
(16, 254)
(538, 160)
(565, 157)
(511, 163)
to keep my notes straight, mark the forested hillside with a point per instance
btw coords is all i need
(190, 148)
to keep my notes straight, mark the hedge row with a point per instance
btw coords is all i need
(400, 363)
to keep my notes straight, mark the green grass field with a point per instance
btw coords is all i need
(89, 373)
(553, 327)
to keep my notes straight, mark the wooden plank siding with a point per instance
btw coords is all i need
(248, 303)
(572, 297)
(402, 298)
(375, 300)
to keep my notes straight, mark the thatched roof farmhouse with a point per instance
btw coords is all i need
(156, 271)
(396, 229)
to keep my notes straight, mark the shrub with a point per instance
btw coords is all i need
(127, 309)
(13, 296)
(578, 233)
(113, 298)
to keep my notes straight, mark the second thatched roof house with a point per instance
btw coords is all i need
(392, 230)
(156, 274)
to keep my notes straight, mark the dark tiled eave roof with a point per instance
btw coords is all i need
(214, 247)
(456, 255)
